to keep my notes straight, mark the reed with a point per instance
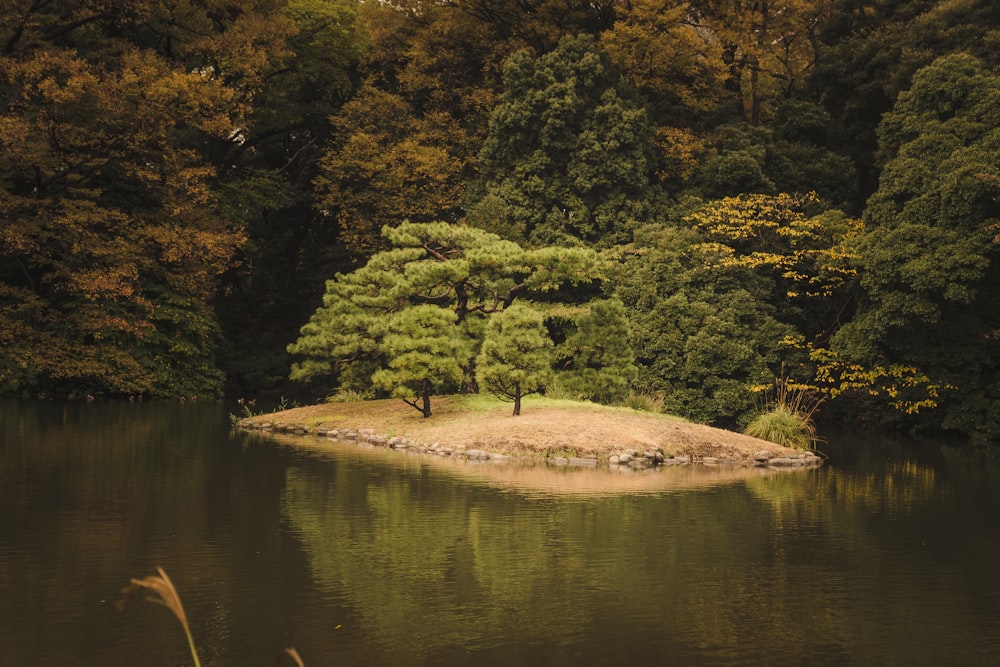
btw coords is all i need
(162, 591)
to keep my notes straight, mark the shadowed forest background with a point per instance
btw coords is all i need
(805, 189)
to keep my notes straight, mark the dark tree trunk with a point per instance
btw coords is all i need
(426, 400)
(517, 400)
(424, 404)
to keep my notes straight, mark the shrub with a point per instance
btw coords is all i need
(786, 418)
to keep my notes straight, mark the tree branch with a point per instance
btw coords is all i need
(440, 253)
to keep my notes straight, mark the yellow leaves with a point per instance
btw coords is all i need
(715, 253)
(768, 47)
(795, 342)
(681, 149)
(906, 388)
(56, 77)
(775, 234)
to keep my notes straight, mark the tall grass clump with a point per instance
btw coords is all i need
(556, 390)
(644, 401)
(348, 396)
(786, 416)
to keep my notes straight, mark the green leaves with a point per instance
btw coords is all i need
(704, 331)
(516, 358)
(928, 258)
(426, 351)
(415, 317)
(594, 357)
(569, 157)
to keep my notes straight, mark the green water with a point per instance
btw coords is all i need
(887, 555)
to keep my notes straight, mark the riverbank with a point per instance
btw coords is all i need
(557, 431)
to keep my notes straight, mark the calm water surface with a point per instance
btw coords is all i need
(357, 556)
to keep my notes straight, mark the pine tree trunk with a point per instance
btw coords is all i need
(426, 395)
(517, 400)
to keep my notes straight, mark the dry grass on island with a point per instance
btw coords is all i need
(545, 428)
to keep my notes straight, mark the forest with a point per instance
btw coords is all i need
(683, 199)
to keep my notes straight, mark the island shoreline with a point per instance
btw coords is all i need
(554, 432)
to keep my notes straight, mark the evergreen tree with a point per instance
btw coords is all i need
(569, 155)
(516, 355)
(470, 276)
(425, 351)
(929, 258)
(704, 331)
(591, 358)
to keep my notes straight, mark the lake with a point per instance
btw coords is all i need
(889, 554)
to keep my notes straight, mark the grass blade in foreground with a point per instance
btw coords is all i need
(163, 593)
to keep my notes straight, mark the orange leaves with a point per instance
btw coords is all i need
(391, 164)
(663, 54)
(204, 253)
(681, 150)
(110, 238)
(105, 282)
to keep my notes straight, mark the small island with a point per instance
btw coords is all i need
(554, 431)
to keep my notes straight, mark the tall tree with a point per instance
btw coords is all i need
(930, 265)
(705, 332)
(767, 46)
(661, 52)
(403, 147)
(112, 243)
(266, 187)
(388, 164)
(569, 156)
(868, 53)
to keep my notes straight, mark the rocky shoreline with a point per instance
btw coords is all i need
(626, 459)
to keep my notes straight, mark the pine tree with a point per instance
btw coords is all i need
(516, 357)
(377, 328)
(426, 351)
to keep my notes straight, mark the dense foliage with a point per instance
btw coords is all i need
(112, 241)
(515, 358)
(414, 318)
(805, 189)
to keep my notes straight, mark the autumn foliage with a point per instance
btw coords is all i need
(809, 185)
